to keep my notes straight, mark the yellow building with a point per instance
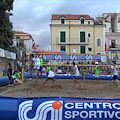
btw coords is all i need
(78, 34)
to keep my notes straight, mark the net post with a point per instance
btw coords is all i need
(22, 74)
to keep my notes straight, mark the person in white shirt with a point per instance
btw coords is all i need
(59, 70)
(50, 76)
(36, 62)
(76, 74)
(115, 74)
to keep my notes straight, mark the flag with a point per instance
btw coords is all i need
(33, 46)
(105, 47)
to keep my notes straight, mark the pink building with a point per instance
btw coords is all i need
(112, 35)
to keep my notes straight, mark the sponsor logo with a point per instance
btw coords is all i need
(55, 107)
(73, 57)
(71, 110)
(57, 57)
(88, 57)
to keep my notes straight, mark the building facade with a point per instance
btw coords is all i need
(112, 35)
(77, 34)
(23, 43)
(23, 38)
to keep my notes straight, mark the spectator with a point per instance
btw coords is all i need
(9, 73)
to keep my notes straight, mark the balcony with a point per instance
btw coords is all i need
(73, 41)
(114, 47)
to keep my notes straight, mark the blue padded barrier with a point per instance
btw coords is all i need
(4, 80)
(59, 108)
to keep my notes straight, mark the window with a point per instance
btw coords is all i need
(74, 50)
(63, 48)
(89, 35)
(62, 36)
(82, 49)
(99, 53)
(17, 37)
(88, 22)
(98, 42)
(82, 20)
(113, 43)
(89, 49)
(82, 36)
(62, 21)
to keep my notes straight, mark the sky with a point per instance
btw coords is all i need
(34, 16)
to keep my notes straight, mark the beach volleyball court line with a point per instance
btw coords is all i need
(5, 91)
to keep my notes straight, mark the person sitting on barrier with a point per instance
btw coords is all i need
(50, 76)
(76, 74)
(115, 74)
(83, 73)
(97, 72)
(48, 69)
(19, 77)
(16, 77)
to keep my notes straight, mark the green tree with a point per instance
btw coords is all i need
(6, 33)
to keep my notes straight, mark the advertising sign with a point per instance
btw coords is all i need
(59, 108)
(2, 54)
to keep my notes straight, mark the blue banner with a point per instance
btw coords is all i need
(71, 57)
(57, 108)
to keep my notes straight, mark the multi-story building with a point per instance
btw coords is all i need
(24, 38)
(112, 35)
(78, 34)
(23, 43)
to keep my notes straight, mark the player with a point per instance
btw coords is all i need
(48, 69)
(16, 77)
(36, 65)
(83, 73)
(50, 76)
(97, 72)
(76, 74)
(41, 66)
(115, 74)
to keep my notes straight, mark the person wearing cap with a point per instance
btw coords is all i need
(115, 74)
(96, 71)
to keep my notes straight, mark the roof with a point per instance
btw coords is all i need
(21, 32)
(70, 16)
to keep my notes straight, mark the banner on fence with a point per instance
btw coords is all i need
(103, 58)
(55, 108)
(2, 54)
(13, 55)
(7, 54)
(71, 57)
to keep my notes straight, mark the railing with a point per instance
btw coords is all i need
(73, 41)
(114, 47)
